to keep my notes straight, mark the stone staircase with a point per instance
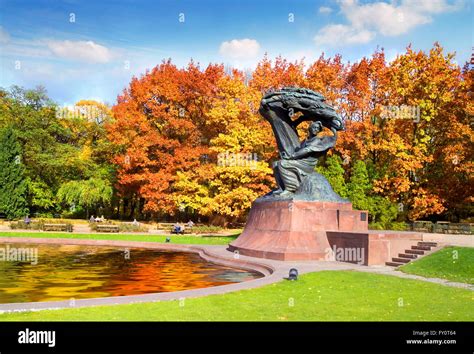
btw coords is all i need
(421, 249)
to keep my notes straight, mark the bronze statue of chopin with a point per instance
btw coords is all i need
(294, 173)
(303, 217)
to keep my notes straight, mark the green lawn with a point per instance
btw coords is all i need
(451, 263)
(321, 296)
(180, 239)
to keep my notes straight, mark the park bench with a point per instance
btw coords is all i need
(186, 231)
(422, 226)
(56, 227)
(107, 228)
(460, 228)
(169, 227)
(441, 227)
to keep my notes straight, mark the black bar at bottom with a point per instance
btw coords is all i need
(241, 337)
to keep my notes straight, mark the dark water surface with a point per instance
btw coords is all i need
(64, 272)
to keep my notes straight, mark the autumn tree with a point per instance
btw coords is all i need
(406, 151)
(408, 122)
(436, 162)
(276, 74)
(242, 144)
(158, 129)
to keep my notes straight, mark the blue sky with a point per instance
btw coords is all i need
(82, 49)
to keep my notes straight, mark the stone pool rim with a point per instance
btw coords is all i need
(204, 251)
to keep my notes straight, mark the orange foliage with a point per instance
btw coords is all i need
(169, 118)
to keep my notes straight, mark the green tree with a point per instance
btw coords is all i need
(334, 172)
(56, 147)
(86, 193)
(32, 116)
(359, 186)
(13, 185)
(383, 213)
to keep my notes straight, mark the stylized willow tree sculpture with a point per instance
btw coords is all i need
(295, 173)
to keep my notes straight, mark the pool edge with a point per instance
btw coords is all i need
(210, 253)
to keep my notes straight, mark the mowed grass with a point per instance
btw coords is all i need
(451, 263)
(179, 239)
(320, 296)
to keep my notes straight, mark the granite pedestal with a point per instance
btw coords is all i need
(291, 230)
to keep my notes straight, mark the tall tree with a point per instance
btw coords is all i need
(237, 172)
(158, 130)
(88, 194)
(359, 186)
(334, 172)
(58, 145)
(13, 184)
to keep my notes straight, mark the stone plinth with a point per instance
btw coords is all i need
(295, 229)
(377, 247)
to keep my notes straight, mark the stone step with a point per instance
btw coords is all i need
(422, 248)
(413, 253)
(404, 255)
(428, 244)
(418, 252)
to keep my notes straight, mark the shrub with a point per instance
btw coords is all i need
(396, 226)
(205, 229)
(123, 227)
(21, 225)
(382, 211)
(39, 224)
(93, 225)
(129, 227)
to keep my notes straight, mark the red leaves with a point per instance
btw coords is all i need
(169, 118)
(157, 123)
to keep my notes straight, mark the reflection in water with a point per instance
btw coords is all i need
(65, 272)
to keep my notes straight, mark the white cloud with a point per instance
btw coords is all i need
(365, 21)
(240, 49)
(388, 19)
(340, 34)
(87, 51)
(433, 6)
(4, 36)
(325, 10)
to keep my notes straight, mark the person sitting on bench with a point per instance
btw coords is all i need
(178, 229)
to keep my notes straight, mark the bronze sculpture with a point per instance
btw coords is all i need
(294, 173)
(304, 217)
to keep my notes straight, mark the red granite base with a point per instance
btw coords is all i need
(376, 246)
(296, 230)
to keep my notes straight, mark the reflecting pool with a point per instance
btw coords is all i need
(64, 272)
